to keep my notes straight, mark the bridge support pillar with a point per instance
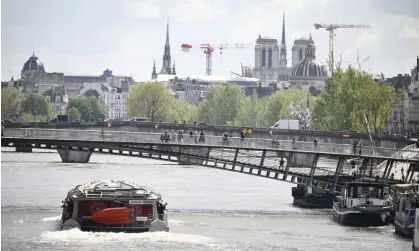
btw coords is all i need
(193, 155)
(23, 148)
(74, 156)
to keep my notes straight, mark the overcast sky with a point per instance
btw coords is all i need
(86, 37)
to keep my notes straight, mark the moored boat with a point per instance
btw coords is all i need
(312, 197)
(362, 204)
(114, 206)
(403, 198)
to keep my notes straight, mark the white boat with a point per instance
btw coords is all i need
(415, 245)
(362, 204)
(403, 197)
(114, 206)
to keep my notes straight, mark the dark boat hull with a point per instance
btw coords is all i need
(354, 217)
(408, 232)
(310, 202)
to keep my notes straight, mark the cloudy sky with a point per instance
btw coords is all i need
(86, 37)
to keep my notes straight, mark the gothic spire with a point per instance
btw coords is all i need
(283, 53)
(166, 67)
(154, 73)
(174, 69)
(283, 31)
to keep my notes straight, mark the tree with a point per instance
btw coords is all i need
(347, 95)
(375, 101)
(221, 104)
(181, 111)
(251, 111)
(9, 102)
(149, 99)
(278, 105)
(74, 114)
(88, 107)
(35, 105)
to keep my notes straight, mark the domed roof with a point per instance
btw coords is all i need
(33, 64)
(309, 66)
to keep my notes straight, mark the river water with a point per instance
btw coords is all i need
(208, 209)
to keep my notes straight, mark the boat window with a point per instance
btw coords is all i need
(351, 192)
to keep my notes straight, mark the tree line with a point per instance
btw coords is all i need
(348, 96)
(36, 108)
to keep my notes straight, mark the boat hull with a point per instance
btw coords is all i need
(408, 232)
(354, 217)
(309, 202)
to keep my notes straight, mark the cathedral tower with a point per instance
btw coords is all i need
(283, 52)
(167, 65)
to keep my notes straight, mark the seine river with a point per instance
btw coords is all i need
(208, 209)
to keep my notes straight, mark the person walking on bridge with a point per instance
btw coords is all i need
(281, 164)
(315, 144)
(242, 137)
(354, 147)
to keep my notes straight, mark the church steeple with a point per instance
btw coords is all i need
(174, 69)
(283, 53)
(166, 66)
(154, 73)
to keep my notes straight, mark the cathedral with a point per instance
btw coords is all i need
(271, 64)
(166, 68)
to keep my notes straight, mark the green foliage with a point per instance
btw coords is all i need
(181, 111)
(221, 104)
(251, 111)
(347, 95)
(375, 101)
(88, 107)
(27, 117)
(278, 105)
(74, 114)
(35, 105)
(151, 100)
(9, 102)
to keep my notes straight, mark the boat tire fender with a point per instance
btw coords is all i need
(158, 226)
(70, 224)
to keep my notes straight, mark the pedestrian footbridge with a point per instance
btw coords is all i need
(324, 165)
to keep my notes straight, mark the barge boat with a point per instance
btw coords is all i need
(114, 206)
(362, 204)
(312, 197)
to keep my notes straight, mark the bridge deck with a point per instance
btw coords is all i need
(258, 157)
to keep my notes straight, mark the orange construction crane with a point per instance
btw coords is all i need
(209, 50)
(331, 28)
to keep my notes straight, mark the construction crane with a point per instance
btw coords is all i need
(209, 51)
(331, 28)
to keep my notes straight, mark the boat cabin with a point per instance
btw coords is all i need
(363, 193)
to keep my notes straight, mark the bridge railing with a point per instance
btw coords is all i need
(144, 137)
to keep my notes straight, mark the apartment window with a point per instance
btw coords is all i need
(395, 116)
(270, 58)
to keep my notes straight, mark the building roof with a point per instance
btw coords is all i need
(33, 64)
(205, 78)
(309, 67)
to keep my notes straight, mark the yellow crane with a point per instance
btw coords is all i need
(331, 28)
